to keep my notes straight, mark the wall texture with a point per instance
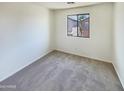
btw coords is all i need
(119, 40)
(99, 45)
(25, 36)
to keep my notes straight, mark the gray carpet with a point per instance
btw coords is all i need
(60, 71)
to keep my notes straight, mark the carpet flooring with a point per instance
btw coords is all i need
(58, 71)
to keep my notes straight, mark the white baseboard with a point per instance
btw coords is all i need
(122, 83)
(25, 66)
(83, 56)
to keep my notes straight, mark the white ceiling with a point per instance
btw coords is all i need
(63, 5)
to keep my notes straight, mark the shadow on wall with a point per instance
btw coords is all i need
(24, 36)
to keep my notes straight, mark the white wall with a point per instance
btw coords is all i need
(99, 45)
(119, 40)
(28, 32)
(25, 36)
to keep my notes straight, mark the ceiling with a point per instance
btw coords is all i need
(64, 5)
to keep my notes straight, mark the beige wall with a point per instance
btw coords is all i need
(99, 45)
(25, 35)
(119, 40)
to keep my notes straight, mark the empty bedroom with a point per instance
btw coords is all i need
(61, 46)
